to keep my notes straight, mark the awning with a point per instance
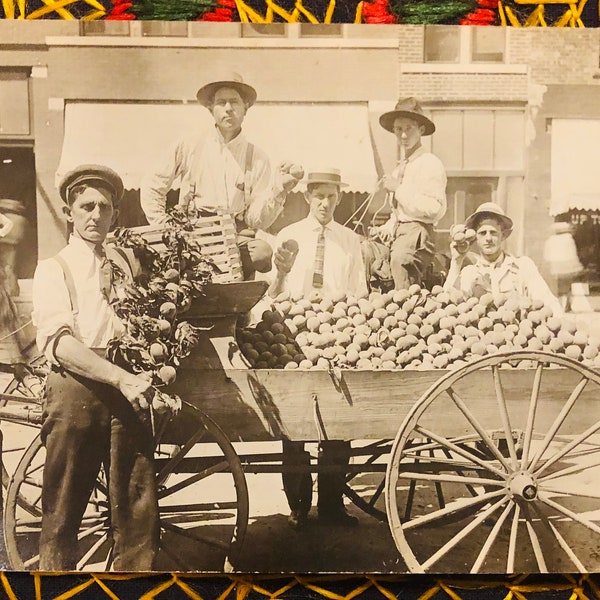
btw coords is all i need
(575, 176)
(128, 136)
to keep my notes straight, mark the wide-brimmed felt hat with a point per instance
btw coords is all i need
(489, 210)
(231, 79)
(326, 175)
(10, 205)
(89, 175)
(411, 109)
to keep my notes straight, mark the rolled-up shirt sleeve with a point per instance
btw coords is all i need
(52, 312)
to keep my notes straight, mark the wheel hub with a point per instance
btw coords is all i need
(523, 485)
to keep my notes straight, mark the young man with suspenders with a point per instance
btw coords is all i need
(221, 169)
(95, 413)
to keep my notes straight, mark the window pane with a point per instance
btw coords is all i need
(488, 44)
(263, 29)
(104, 27)
(442, 44)
(447, 141)
(166, 28)
(14, 103)
(479, 140)
(509, 140)
(320, 30)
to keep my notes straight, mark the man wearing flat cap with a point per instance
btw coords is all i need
(95, 413)
(495, 270)
(222, 169)
(417, 191)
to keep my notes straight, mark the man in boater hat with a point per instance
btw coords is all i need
(221, 169)
(417, 192)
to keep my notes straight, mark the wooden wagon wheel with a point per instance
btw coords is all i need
(203, 502)
(513, 441)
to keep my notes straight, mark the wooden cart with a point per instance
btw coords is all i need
(492, 467)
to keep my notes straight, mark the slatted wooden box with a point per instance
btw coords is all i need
(216, 234)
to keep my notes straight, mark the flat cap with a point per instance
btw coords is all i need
(89, 175)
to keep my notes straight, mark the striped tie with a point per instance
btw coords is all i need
(319, 260)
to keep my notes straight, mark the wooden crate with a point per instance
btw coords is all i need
(217, 237)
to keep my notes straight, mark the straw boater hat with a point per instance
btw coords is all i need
(410, 108)
(489, 210)
(327, 175)
(91, 174)
(231, 79)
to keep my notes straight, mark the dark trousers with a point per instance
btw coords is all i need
(86, 424)
(298, 486)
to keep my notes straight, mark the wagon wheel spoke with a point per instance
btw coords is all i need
(444, 442)
(535, 542)
(438, 488)
(512, 542)
(34, 560)
(504, 416)
(179, 456)
(476, 522)
(491, 538)
(457, 505)
(580, 439)
(94, 548)
(569, 513)
(560, 419)
(411, 495)
(218, 468)
(469, 487)
(213, 542)
(553, 531)
(459, 439)
(437, 478)
(533, 403)
(478, 427)
(568, 471)
(569, 493)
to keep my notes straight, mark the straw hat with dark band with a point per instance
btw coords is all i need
(233, 80)
(327, 175)
(411, 109)
(489, 210)
(99, 175)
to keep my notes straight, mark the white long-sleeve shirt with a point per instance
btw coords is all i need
(507, 275)
(343, 267)
(94, 323)
(421, 195)
(212, 173)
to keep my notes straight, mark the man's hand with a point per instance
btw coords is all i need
(384, 232)
(289, 175)
(285, 256)
(390, 183)
(460, 241)
(135, 388)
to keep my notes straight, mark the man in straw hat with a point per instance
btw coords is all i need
(316, 253)
(495, 271)
(417, 192)
(222, 169)
(317, 256)
(96, 412)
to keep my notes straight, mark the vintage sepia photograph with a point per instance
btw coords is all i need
(298, 298)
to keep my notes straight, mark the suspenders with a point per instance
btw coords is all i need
(119, 256)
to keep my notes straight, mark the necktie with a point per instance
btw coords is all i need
(106, 273)
(319, 260)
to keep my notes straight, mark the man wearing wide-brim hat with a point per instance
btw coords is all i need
(417, 192)
(317, 257)
(95, 412)
(221, 169)
(495, 271)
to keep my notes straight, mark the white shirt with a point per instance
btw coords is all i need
(95, 323)
(508, 274)
(421, 196)
(212, 174)
(343, 267)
